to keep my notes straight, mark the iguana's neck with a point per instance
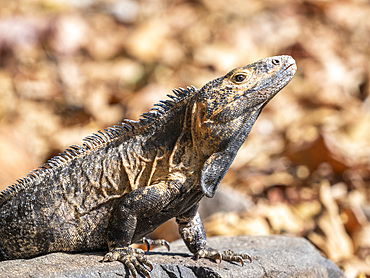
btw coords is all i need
(165, 148)
(186, 156)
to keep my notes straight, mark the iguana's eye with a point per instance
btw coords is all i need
(276, 62)
(240, 77)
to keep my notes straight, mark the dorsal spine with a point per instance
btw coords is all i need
(97, 140)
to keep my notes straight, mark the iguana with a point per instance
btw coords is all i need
(125, 181)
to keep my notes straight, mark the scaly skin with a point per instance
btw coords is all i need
(124, 182)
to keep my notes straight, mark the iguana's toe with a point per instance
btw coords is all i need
(132, 258)
(209, 253)
(231, 256)
(228, 255)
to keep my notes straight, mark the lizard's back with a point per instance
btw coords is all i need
(66, 204)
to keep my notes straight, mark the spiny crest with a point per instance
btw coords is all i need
(96, 140)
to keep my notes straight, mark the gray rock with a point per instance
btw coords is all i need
(226, 199)
(273, 256)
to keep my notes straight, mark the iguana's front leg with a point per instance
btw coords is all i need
(192, 232)
(120, 233)
(141, 203)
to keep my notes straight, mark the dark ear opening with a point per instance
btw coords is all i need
(213, 172)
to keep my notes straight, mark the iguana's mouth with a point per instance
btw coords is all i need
(289, 66)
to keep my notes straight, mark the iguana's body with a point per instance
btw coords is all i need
(126, 181)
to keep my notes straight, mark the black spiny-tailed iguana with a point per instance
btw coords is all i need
(125, 181)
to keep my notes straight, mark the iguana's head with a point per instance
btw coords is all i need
(226, 108)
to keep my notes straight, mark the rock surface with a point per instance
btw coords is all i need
(226, 199)
(273, 256)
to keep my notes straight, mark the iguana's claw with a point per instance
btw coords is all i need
(228, 255)
(155, 242)
(231, 256)
(134, 259)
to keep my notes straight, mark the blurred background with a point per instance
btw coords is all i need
(69, 68)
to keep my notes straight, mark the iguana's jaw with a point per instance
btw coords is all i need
(231, 104)
(269, 76)
(246, 89)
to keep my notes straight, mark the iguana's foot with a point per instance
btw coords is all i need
(228, 255)
(134, 259)
(155, 242)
